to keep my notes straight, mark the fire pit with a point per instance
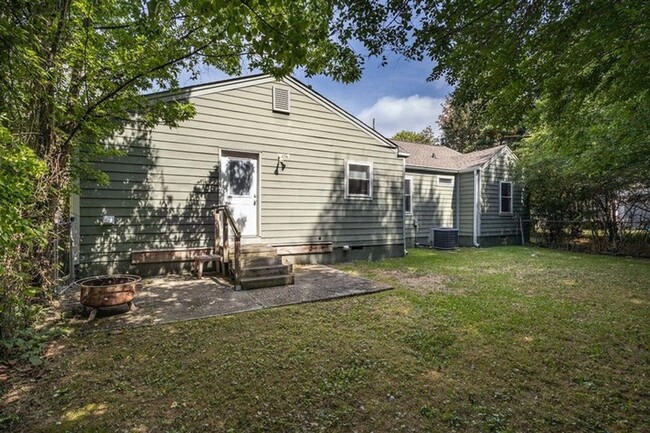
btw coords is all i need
(108, 291)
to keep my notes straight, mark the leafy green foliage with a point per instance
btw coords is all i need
(27, 344)
(20, 170)
(465, 128)
(515, 54)
(426, 136)
(575, 75)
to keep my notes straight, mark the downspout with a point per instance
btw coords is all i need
(477, 207)
(403, 210)
(457, 188)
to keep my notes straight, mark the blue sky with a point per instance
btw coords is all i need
(398, 96)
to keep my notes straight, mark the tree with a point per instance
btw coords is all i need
(513, 55)
(461, 126)
(465, 128)
(426, 136)
(74, 72)
(19, 166)
(549, 65)
(575, 74)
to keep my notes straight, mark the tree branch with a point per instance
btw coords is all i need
(77, 126)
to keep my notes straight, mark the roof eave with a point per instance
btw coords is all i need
(431, 169)
(403, 154)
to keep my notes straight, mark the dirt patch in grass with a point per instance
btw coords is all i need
(460, 349)
(423, 284)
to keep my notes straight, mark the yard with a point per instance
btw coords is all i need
(491, 340)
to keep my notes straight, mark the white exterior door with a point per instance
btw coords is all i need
(239, 174)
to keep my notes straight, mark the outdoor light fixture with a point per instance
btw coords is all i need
(281, 165)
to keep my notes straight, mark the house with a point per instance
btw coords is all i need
(303, 182)
(474, 193)
(299, 174)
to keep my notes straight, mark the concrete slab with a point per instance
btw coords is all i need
(315, 283)
(177, 298)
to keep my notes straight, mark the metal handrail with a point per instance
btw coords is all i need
(222, 241)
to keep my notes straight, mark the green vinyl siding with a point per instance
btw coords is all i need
(161, 192)
(494, 223)
(433, 205)
(466, 203)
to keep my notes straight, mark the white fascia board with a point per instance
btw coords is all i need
(471, 169)
(215, 87)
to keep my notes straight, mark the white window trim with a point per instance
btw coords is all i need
(347, 179)
(410, 179)
(448, 185)
(512, 193)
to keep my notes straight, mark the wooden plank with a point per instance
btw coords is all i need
(171, 255)
(313, 248)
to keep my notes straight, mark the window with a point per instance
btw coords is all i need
(505, 197)
(445, 180)
(408, 198)
(358, 179)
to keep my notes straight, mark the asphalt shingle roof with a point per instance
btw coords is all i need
(443, 157)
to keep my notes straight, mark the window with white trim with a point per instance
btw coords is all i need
(408, 195)
(358, 179)
(445, 180)
(505, 197)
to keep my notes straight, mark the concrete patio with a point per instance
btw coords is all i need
(177, 298)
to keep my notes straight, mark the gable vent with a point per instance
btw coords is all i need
(281, 99)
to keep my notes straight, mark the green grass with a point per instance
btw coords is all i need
(479, 340)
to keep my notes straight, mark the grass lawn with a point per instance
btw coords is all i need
(480, 340)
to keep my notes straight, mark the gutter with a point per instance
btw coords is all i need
(477, 207)
(440, 170)
(402, 153)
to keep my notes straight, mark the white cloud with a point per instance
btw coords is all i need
(413, 113)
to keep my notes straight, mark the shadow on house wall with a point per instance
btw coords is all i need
(433, 206)
(160, 198)
(369, 229)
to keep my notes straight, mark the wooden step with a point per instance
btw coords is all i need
(257, 261)
(267, 281)
(266, 271)
(257, 249)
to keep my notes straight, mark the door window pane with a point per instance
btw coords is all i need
(240, 176)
